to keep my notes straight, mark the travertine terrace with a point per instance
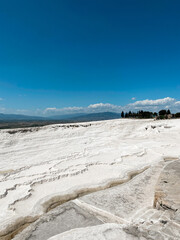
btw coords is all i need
(116, 179)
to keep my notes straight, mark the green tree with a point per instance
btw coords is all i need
(177, 115)
(162, 112)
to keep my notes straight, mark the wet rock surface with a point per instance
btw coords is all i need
(61, 219)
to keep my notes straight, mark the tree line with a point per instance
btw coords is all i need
(162, 114)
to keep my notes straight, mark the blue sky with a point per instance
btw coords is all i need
(74, 53)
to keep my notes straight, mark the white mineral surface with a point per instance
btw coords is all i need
(117, 179)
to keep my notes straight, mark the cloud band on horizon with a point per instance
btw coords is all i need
(149, 105)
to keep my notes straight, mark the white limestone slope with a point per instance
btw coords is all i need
(102, 232)
(44, 167)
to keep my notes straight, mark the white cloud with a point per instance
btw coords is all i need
(97, 105)
(147, 104)
(53, 110)
(156, 102)
(50, 109)
(177, 103)
(155, 105)
(103, 107)
(1, 99)
(133, 98)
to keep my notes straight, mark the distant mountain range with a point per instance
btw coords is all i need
(65, 116)
(18, 117)
(96, 117)
(81, 117)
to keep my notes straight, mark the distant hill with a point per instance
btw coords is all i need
(21, 121)
(70, 117)
(19, 117)
(96, 117)
(65, 116)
